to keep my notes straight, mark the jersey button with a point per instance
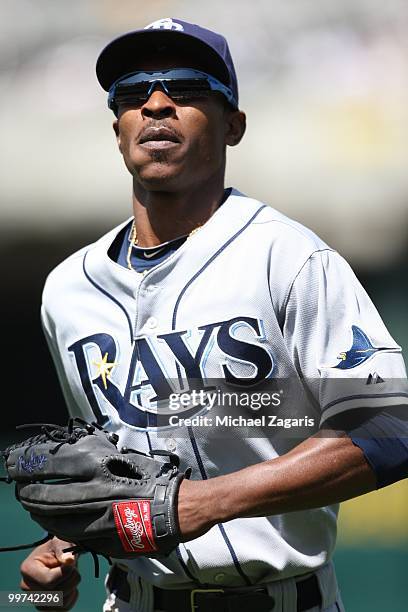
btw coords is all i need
(151, 323)
(171, 445)
(219, 577)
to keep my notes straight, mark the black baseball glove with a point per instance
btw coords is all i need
(79, 487)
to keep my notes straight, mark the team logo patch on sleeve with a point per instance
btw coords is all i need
(134, 525)
(361, 350)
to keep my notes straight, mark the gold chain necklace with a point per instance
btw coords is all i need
(133, 242)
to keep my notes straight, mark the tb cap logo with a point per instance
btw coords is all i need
(165, 24)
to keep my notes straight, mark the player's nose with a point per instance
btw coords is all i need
(158, 104)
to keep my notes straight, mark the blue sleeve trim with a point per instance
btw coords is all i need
(384, 441)
(363, 396)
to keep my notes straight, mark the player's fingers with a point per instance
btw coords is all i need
(47, 564)
(67, 583)
(40, 573)
(65, 558)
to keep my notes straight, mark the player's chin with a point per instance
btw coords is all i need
(159, 175)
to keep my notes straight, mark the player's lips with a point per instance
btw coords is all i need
(158, 138)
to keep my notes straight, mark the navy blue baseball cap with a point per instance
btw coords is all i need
(202, 48)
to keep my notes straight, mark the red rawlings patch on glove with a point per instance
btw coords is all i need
(134, 525)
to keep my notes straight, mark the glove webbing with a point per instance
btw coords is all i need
(61, 435)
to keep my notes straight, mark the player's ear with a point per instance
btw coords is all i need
(235, 127)
(115, 126)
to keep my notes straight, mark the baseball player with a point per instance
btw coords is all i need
(204, 283)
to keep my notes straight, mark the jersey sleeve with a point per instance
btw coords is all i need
(338, 342)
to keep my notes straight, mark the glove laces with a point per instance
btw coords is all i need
(59, 434)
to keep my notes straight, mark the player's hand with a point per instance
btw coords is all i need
(47, 568)
(195, 508)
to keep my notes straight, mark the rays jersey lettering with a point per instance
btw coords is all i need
(149, 383)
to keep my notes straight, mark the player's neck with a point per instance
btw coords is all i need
(162, 216)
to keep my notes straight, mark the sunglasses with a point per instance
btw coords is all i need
(180, 84)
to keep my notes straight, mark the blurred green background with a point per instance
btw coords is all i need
(325, 87)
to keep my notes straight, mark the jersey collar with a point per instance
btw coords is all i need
(229, 219)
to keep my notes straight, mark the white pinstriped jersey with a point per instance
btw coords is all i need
(251, 296)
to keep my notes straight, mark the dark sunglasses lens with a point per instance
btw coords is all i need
(130, 99)
(179, 89)
(131, 94)
(188, 88)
